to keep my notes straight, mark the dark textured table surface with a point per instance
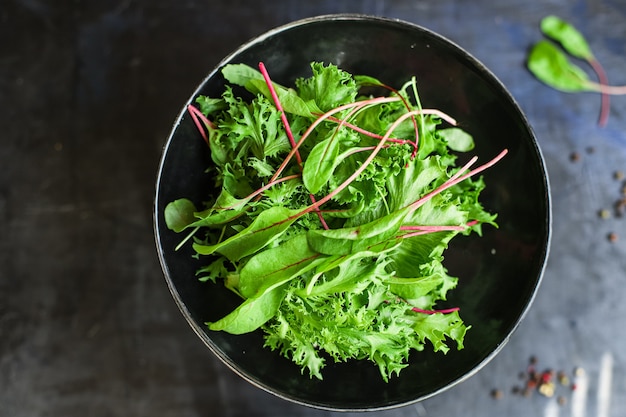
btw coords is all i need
(88, 93)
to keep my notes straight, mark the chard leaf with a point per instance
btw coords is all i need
(265, 228)
(443, 211)
(179, 214)
(276, 266)
(347, 240)
(251, 314)
(551, 66)
(567, 35)
(346, 273)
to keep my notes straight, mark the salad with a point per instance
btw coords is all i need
(335, 208)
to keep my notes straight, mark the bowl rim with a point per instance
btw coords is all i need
(544, 255)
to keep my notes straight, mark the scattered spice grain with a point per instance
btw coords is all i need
(604, 214)
(497, 394)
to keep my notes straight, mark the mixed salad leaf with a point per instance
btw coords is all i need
(333, 214)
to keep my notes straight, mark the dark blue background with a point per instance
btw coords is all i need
(88, 94)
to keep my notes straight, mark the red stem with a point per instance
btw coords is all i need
(606, 98)
(260, 191)
(360, 169)
(457, 178)
(417, 133)
(279, 107)
(283, 118)
(320, 120)
(424, 230)
(445, 311)
(197, 115)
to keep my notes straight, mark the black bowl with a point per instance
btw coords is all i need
(499, 272)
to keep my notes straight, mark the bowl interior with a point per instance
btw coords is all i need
(499, 272)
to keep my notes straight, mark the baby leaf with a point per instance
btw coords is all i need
(251, 314)
(320, 164)
(242, 75)
(276, 265)
(179, 214)
(458, 139)
(567, 35)
(552, 66)
(366, 80)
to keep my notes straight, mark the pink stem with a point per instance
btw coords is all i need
(424, 230)
(363, 149)
(260, 191)
(457, 178)
(319, 120)
(442, 228)
(361, 168)
(445, 311)
(196, 115)
(279, 107)
(415, 128)
(441, 115)
(606, 98)
(368, 133)
(417, 133)
(283, 118)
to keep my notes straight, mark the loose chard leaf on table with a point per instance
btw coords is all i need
(550, 65)
(553, 67)
(335, 247)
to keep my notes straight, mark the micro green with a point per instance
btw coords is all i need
(333, 214)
